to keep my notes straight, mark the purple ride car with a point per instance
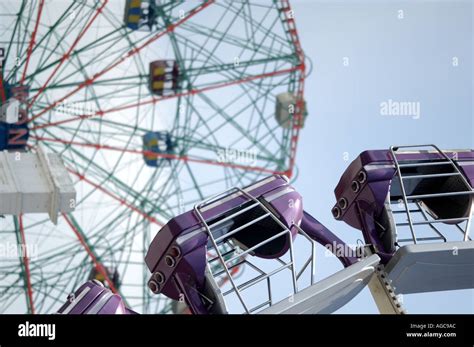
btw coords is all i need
(371, 182)
(432, 203)
(93, 298)
(261, 221)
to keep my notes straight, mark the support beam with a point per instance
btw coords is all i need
(384, 294)
(26, 263)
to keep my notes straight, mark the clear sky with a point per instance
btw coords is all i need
(363, 54)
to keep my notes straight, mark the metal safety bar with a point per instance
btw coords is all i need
(442, 160)
(215, 241)
(229, 259)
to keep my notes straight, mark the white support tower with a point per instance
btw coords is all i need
(35, 183)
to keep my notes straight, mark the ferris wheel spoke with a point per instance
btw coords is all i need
(32, 41)
(43, 41)
(15, 27)
(79, 66)
(59, 289)
(131, 53)
(20, 32)
(226, 67)
(184, 158)
(19, 239)
(246, 89)
(126, 82)
(155, 100)
(266, 139)
(228, 119)
(120, 200)
(120, 186)
(68, 254)
(67, 55)
(99, 41)
(244, 43)
(19, 36)
(87, 248)
(36, 44)
(261, 92)
(82, 26)
(125, 188)
(119, 93)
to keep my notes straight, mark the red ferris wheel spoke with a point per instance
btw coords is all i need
(98, 265)
(32, 41)
(131, 53)
(67, 55)
(154, 100)
(159, 155)
(295, 131)
(115, 197)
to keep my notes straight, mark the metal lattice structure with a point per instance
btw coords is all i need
(86, 76)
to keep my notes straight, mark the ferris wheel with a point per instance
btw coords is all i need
(153, 106)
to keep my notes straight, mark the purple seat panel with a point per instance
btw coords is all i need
(368, 203)
(177, 257)
(94, 298)
(184, 238)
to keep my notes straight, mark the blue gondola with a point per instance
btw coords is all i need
(133, 14)
(157, 142)
(139, 14)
